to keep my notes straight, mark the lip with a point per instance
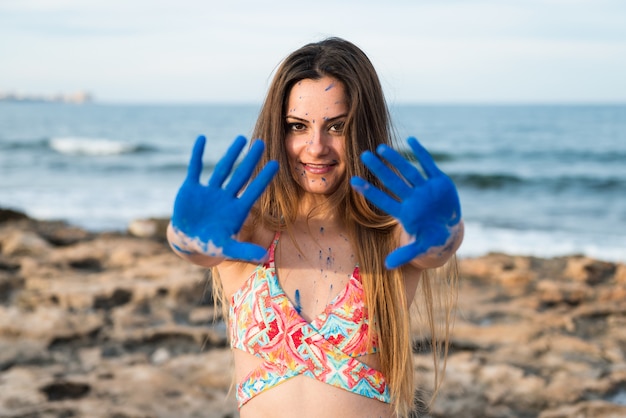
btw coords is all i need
(318, 168)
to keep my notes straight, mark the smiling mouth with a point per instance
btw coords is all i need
(318, 165)
(318, 168)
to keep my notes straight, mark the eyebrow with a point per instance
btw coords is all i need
(326, 120)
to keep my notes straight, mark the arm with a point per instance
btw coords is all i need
(186, 249)
(426, 206)
(436, 256)
(206, 219)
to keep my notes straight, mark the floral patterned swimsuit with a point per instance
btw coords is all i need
(264, 323)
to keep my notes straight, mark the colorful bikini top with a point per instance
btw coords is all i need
(264, 323)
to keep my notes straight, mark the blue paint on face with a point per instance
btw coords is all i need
(330, 86)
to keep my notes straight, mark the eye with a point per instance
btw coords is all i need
(296, 126)
(337, 127)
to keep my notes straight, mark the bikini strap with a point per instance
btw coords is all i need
(272, 250)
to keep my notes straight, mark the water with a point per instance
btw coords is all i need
(535, 180)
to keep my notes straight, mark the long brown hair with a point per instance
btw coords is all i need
(367, 125)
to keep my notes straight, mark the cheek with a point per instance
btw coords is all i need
(296, 145)
(291, 148)
(341, 152)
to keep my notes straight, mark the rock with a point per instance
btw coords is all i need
(61, 234)
(48, 324)
(14, 242)
(149, 228)
(595, 409)
(620, 274)
(512, 386)
(10, 215)
(552, 292)
(501, 268)
(590, 271)
(59, 390)
(18, 390)
(116, 325)
(23, 351)
(160, 356)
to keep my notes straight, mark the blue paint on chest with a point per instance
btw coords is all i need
(298, 303)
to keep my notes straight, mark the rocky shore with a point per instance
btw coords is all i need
(115, 325)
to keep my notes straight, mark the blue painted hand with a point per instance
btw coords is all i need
(427, 205)
(207, 218)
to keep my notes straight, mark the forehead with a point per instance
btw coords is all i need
(324, 95)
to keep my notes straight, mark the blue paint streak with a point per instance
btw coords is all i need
(181, 250)
(298, 303)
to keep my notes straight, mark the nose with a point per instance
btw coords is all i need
(317, 143)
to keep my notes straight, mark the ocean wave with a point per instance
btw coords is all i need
(26, 144)
(481, 239)
(487, 181)
(555, 184)
(438, 156)
(563, 156)
(94, 146)
(567, 156)
(178, 167)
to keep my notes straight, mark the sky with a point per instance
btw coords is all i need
(425, 51)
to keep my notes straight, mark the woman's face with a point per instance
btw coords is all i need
(315, 142)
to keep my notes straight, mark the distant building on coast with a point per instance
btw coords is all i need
(78, 97)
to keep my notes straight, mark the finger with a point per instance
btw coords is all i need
(244, 251)
(404, 254)
(379, 198)
(258, 185)
(424, 158)
(408, 170)
(195, 163)
(226, 163)
(390, 179)
(242, 174)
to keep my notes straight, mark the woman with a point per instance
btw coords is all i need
(319, 256)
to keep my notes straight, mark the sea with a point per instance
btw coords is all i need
(540, 180)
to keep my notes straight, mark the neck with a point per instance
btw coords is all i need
(316, 210)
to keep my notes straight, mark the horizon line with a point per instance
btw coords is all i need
(390, 104)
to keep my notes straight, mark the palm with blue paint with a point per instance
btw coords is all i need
(427, 205)
(211, 216)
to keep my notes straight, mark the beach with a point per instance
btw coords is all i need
(113, 324)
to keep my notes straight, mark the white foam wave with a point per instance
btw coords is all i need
(90, 146)
(480, 240)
